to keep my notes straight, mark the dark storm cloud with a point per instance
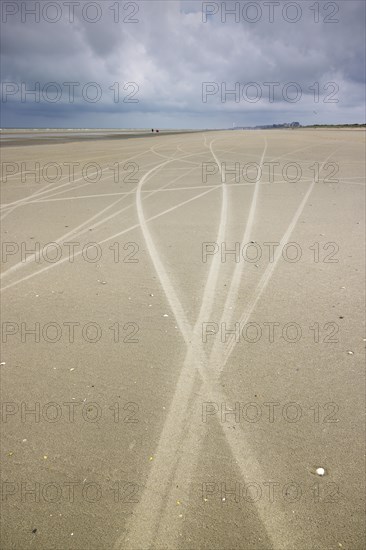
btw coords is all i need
(170, 52)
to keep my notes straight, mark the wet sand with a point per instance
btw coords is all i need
(16, 138)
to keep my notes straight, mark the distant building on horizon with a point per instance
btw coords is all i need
(269, 126)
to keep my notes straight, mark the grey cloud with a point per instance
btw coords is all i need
(170, 52)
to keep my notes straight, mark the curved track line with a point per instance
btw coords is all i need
(46, 190)
(232, 295)
(11, 176)
(142, 530)
(271, 267)
(280, 529)
(16, 204)
(245, 458)
(187, 188)
(147, 175)
(68, 185)
(123, 232)
(38, 256)
(188, 453)
(31, 259)
(72, 231)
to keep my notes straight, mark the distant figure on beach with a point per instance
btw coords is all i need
(157, 131)
(152, 129)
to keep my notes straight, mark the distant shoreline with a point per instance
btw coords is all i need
(55, 136)
(18, 137)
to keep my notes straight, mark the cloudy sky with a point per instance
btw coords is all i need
(181, 64)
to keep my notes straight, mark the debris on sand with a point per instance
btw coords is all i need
(320, 471)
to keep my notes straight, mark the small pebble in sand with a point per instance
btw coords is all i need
(165, 315)
(2, 363)
(320, 471)
(350, 352)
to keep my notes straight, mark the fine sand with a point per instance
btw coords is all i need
(131, 417)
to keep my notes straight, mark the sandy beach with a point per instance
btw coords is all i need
(183, 341)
